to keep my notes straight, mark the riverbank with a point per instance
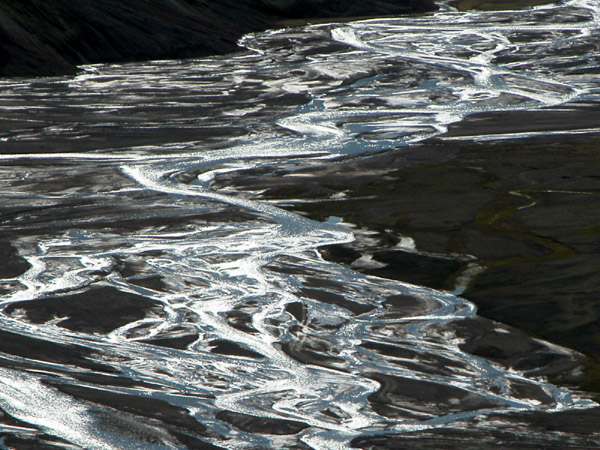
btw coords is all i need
(39, 38)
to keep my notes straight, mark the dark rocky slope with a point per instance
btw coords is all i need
(42, 38)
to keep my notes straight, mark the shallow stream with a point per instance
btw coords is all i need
(153, 311)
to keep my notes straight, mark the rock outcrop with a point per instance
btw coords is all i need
(42, 38)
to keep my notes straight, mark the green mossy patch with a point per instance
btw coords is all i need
(591, 377)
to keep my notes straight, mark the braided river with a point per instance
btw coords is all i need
(147, 307)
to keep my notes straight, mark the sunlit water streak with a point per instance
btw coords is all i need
(298, 97)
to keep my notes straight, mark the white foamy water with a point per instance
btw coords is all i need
(233, 315)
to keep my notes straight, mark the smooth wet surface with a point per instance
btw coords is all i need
(158, 294)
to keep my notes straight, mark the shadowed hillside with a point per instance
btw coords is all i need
(42, 38)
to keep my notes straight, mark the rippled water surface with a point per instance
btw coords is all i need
(143, 308)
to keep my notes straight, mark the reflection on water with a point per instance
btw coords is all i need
(152, 311)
